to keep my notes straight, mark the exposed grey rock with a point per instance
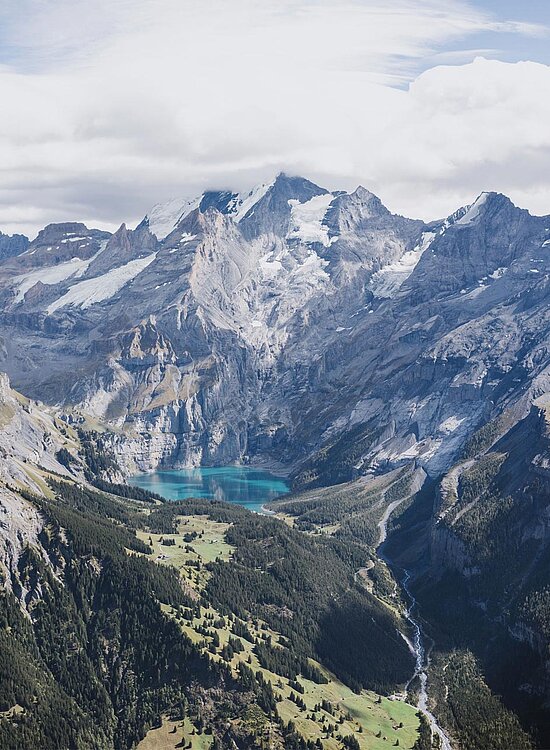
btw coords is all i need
(11, 245)
(262, 326)
(30, 438)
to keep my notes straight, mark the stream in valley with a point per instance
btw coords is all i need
(252, 488)
(418, 643)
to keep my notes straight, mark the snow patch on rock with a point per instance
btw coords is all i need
(387, 282)
(72, 268)
(306, 220)
(245, 203)
(163, 218)
(473, 211)
(91, 291)
(450, 424)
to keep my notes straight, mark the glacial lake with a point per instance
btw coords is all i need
(233, 484)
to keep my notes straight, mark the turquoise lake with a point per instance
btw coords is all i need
(233, 484)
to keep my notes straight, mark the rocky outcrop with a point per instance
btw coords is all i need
(20, 526)
(448, 552)
(31, 437)
(11, 245)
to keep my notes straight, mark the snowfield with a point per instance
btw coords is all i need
(54, 275)
(244, 204)
(164, 217)
(306, 220)
(473, 212)
(387, 282)
(91, 291)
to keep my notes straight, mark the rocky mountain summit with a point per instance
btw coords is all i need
(283, 325)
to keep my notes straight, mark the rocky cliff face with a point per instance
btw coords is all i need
(264, 326)
(491, 526)
(11, 245)
(30, 438)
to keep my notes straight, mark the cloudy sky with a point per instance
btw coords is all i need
(109, 107)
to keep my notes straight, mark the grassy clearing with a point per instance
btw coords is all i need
(37, 477)
(375, 721)
(7, 413)
(175, 734)
(12, 713)
(187, 554)
(364, 715)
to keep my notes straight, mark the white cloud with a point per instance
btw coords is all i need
(110, 107)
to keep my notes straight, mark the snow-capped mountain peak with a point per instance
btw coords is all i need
(163, 218)
(275, 195)
(473, 211)
(284, 299)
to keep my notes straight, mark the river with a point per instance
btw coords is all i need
(252, 488)
(421, 654)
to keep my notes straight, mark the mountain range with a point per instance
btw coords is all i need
(264, 327)
(398, 371)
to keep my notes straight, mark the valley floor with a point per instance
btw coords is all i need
(375, 721)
